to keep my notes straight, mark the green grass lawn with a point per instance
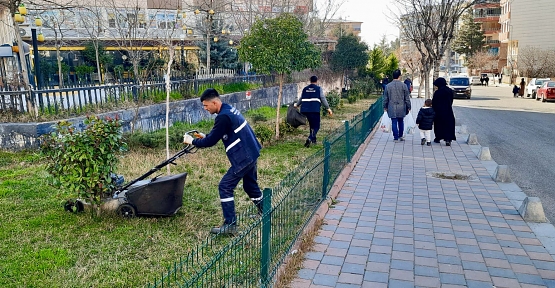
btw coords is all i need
(41, 245)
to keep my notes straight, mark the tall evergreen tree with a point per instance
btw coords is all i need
(470, 38)
(349, 54)
(222, 55)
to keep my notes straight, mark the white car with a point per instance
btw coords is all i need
(475, 80)
(534, 85)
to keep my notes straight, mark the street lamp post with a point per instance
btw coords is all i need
(209, 18)
(36, 60)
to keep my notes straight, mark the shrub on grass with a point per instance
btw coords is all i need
(81, 162)
(264, 133)
(333, 98)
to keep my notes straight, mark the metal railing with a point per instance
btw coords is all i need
(252, 258)
(79, 99)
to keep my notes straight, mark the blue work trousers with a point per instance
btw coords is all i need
(228, 184)
(314, 124)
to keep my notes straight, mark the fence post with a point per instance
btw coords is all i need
(347, 142)
(266, 231)
(326, 177)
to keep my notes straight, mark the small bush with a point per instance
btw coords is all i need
(264, 133)
(81, 162)
(258, 117)
(285, 128)
(352, 99)
(333, 98)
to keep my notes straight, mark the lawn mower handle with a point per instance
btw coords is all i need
(189, 148)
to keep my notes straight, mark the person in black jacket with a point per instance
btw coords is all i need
(311, 100)
(425, 120)
(444, 121)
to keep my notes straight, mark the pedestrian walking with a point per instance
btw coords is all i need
(515, 91)
(312, 98)
(408, 82)
(522, 86)
(482, 81)
(397, 104)
(385, 81)
(487, 80)
(444, 120)
(242, 149)
(425, 121)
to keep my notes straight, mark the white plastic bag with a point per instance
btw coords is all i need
(385, 125)
(410, 124)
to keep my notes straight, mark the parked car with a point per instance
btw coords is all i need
(533, 85)
(546, 91)
(461, 87)
(475, 80)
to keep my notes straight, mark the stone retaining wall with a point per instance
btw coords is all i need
(18, 136)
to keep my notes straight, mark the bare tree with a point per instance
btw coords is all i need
(133, 29)
(430, 25)
(481, 60)
(535, 62)
(55, 20)
(91, 19)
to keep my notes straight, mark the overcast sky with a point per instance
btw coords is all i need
(375, 17)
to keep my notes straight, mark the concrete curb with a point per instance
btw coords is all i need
(544, 231)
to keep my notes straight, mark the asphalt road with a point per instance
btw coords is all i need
(520, 133)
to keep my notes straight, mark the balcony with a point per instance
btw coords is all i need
(486, 17)
(493, 43)
(504, 37)
(504, 17)
(487, 3)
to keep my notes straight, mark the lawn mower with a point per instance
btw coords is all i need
(159, 196)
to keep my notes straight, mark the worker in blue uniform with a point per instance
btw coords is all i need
(311, 101)
(242, 149)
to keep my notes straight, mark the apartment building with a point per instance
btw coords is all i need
(525, 23)
(488, 13)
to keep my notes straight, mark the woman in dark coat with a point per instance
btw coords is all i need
(444, 121)
(522, 86)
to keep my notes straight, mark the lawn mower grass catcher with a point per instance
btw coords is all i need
(159, 196)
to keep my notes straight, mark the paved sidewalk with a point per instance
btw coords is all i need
(396, 225)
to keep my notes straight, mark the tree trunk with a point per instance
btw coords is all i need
(60, 75)
(24, 74)
(168, 90)
(100, 80)
(279, 104)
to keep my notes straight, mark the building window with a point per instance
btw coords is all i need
(111, 20)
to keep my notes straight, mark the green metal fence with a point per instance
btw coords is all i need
(253, 258)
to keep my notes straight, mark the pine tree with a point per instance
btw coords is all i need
(470, 38)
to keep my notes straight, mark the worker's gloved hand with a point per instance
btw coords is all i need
(199, 135)
(187, 139)
(295, 105)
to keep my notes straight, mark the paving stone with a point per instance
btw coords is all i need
(325, 280)
(379, 277)
(353, 268)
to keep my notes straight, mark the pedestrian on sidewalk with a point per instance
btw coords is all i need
(515, 91)
(242, 150)
(385, 81)
(425, 121)
(522, 86)
(397, 104)
(408, 82)
(444, 120)
(312, 98)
